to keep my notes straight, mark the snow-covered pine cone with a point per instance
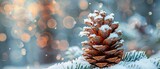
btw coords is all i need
(103, 47)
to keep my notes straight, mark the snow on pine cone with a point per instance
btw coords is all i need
(103, 47)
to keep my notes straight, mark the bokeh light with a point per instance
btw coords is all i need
(34, 8)
(69, 22)
(3, 37)
(8, 8)
(19, 2)
(23, 51)
(42, 24)
(58, 57)
(42, 41)
(83, 4)
(25, 37)
(52, 23)
(63, 45)
(16, 56)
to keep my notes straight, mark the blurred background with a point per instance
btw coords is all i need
(35, 34)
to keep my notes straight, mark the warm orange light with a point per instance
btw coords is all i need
(25, 37)
(51, 23)
(69, 22)
(8, 8)
(42, 41)
(34, 9)
(3, 37)
(42, 24)
(83, 4)
(19, 2)
(63, 45)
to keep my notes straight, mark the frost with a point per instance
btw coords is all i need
(140, 63)
(115, 22)
(96, 11)
(121, 41)
(87, 20)
(95, 24)
(98, 17)
(117, 67)
(86, 27)
(109, 16)
(102, 12)
(113, 35)
(84, 41)
(83, 33)
(104, 28)
(119, 31)
(71, 64)
(92, 35)
(92, 15)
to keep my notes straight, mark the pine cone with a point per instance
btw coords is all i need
(102, 48)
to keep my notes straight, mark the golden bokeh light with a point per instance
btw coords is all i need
(42, 41)
(69, 22)
(19, 2)
(3, 37)
(25, 37)
(51, 23)
(8, 8)
(83, 4)
(42, 24)
(63, 45)
(34, 8)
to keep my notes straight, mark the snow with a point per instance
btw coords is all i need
(95, 24)
(98, 17)
(96, 11)
(102, 12)
(111, 16)
(115, 22)
(83, 33)
(92, 15)
(143, 63)
(113, 35)
(84, 41)
(104, 28)
(119, 31)
(86, 27)
(121, 41)
(92, 35)
(87, 20)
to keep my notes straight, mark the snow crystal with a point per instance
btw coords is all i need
(86, 27)
(119, 31)
(98, 17)
(95, 24)
(121, 41)
(113, 35)
(102, 12)
(115, 22)
(84, 41)
(92, 15)
(109, 16)
(104, 28)
(87, 20)
(92, 35)
(96, 11)
(117, 67)
(83, 33)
